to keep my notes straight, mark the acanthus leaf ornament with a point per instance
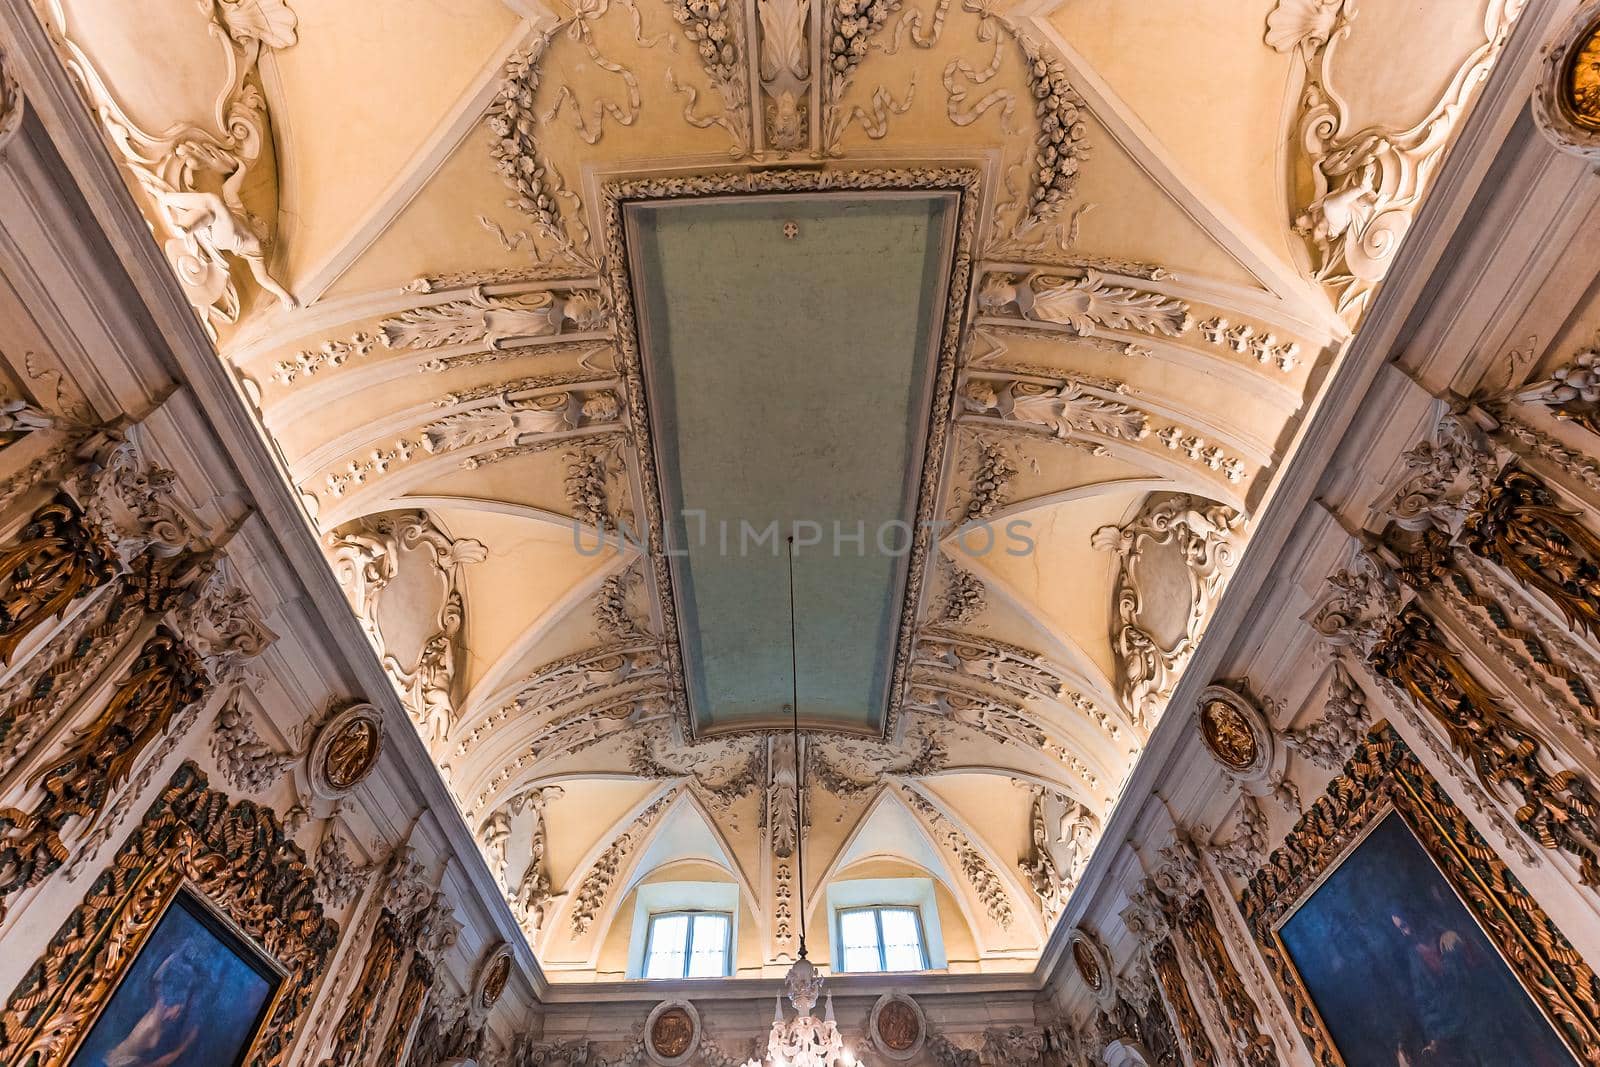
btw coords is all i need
(1070, 410)
(59, 556)
(496, 321)
(1084, 304)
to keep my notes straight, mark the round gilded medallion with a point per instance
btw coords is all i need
(346, 750)
(1566, 102)
(896, 1027)
(494, 982)
(1228, 735)
(1088, 965)
(672, 1033)
(1580, 95)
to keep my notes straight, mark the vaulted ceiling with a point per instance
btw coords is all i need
(514, 287)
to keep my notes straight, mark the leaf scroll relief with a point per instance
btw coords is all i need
(166, 677)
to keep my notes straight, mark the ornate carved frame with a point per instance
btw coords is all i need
(238, 858)
(1382, 776)
(616, 195)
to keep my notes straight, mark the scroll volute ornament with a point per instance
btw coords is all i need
(57, 558)
(1558, 807)
(166, 677)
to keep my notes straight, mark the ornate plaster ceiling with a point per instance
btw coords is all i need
(406, 230)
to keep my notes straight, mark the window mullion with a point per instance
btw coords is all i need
(883, 951)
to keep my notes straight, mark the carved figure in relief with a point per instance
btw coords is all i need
(785, 62)
(495, 321)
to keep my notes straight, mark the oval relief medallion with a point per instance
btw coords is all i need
(672, 1033)
(1566, 102)
(495, 979)
(346, 750)
(1581, 91)
(897, 1027)
(1088, 965)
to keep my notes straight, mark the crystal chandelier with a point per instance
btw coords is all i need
(805, 1040)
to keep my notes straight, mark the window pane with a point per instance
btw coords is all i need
(902, 939)
(708, 954)
(669, 936)
(858, 932)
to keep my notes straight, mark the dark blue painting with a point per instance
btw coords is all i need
(1401, 973)
(194, 997)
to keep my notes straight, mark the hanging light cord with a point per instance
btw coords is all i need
(794, 711)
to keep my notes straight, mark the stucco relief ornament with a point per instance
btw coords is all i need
(1084, 303)
(1447, 479)
(196, 176)
(1566, 103)
(1205, 537)
(1571, 391)
(785, 73)
(672, 1033)
(1039, 866)
(496, 321)
(1369, 182)
(246, 761)
(11, 103)
(1063, 411)
(346, 751)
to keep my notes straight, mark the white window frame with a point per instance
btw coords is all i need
(688, 947)
(906, 892)
(877, 911)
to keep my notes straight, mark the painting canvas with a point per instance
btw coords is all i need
(1401, 973)
(194, 997)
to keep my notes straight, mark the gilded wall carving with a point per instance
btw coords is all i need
(235, 854)
(1383, 775)
(165, 678)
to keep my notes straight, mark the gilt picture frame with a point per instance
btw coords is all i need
(232, 861)
(1385, 799)
(196, 994)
